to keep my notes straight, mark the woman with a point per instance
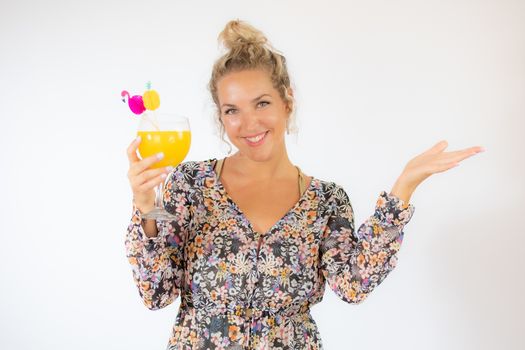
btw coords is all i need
(256, 238)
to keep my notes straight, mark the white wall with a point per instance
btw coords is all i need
(377, 82)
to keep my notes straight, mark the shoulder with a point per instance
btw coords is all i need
(335, 204)
(333, 197)
(332, 191)
(191, 166)
(192, 172)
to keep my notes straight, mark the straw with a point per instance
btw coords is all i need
(153, 122)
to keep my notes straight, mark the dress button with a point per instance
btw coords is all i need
(249, 312)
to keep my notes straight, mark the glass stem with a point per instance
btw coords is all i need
(158, 196)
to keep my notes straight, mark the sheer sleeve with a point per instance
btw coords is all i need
(354, 263)
(158, 263)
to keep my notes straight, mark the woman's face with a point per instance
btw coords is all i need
(253, 113)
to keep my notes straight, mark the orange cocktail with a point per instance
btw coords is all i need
(175, 145)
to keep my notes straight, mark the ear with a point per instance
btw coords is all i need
(289, 91)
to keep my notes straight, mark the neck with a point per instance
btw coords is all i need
(278, 166)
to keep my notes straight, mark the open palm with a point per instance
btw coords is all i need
(435, 160)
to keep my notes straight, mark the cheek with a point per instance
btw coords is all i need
(231, 124)
(276, 121)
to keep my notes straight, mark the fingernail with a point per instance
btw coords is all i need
(482, 149)
(160, 155)
(138, 139)
(163, 176)
(169, 168)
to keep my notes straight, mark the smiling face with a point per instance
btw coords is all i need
(253, 113)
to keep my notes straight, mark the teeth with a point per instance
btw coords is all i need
(256, 139)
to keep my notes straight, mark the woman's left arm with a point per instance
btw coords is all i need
(355, 263)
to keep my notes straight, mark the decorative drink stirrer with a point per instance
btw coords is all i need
(150, 100)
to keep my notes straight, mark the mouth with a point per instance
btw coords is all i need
(257, 139)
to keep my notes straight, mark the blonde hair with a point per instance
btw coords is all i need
(248, 48)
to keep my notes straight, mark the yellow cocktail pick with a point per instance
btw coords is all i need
(151, 98)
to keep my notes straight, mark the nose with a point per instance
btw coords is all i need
(250, 121)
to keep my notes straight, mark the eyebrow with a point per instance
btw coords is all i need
(254, 100)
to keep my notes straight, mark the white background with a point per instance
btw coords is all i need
(377, 83)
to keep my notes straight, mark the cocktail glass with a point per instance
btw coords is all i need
(167, 133)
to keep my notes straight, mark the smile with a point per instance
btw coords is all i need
(257, 139)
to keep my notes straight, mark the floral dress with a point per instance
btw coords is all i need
(240, 289)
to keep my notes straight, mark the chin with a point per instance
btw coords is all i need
(256, 156)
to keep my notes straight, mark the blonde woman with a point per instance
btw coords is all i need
(255, 238)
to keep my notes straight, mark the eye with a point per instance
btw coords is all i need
(229, 110)
(263, 102)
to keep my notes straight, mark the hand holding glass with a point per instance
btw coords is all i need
(171, 135)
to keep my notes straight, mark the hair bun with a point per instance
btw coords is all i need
(237, 33)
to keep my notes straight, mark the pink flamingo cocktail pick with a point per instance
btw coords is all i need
(135, 103)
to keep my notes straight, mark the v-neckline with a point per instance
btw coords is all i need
(221, 187)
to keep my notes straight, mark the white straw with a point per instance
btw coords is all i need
(153, 122)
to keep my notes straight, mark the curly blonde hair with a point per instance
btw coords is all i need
(248, 48)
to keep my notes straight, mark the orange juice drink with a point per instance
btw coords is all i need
(175, 145)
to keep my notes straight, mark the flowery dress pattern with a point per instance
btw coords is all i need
(240, 289)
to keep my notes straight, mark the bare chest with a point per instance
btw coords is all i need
(265, 205)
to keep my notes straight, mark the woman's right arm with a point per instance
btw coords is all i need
(155, 248)
(157, 263)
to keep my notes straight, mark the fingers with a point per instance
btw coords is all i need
(458, 156)
(437, 148)
(153, 181)
(144, 164)
(139, 180)
(132, 151)
(434, 160)
(447, 160)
